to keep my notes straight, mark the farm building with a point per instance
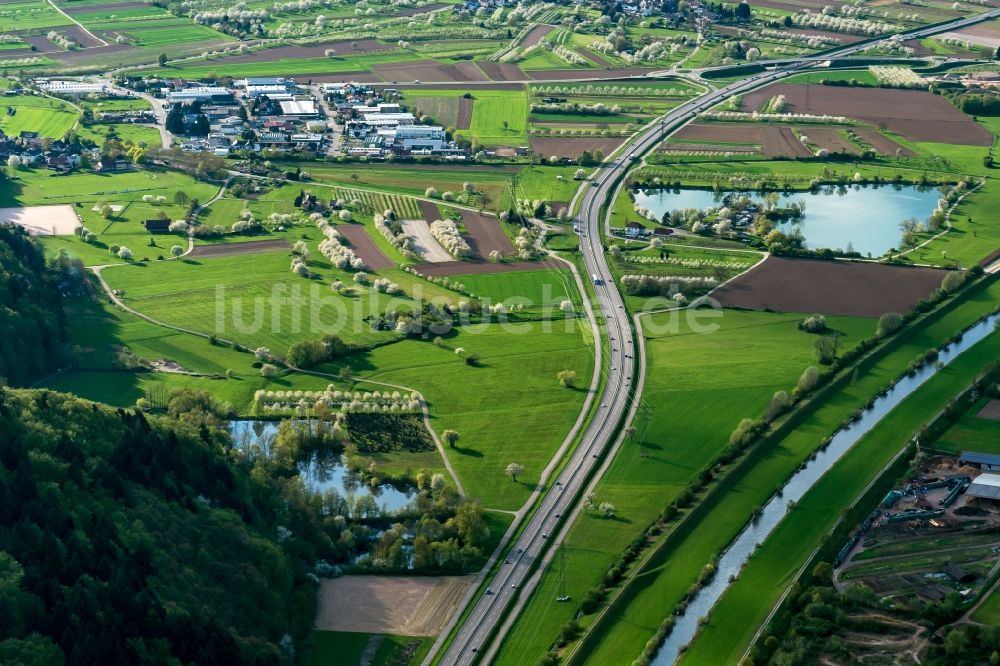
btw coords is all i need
(115, 164)
(986, 488)
(633, 229)
(988, 462)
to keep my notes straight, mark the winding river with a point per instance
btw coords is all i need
(737, 555)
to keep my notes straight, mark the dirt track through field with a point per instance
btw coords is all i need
(400, 605)
(430, 211)
(340, 47)
(829, 287)
(573, 147)
(915, 114)
(990, 410)
(829, 138)
(536, 35)
(484, 234)
(464, 113)
(502, 71)
(413, 11)
(450, 268)
(881, 142)
(78, 35)
(598, 60)
(780, 142)
(602, 74)
(230, 249)
(424, 243)
(365, 247)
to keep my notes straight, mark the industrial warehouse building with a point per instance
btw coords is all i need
(988, 462)
(985, 488)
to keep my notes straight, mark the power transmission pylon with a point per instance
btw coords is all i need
(514, 187)
(562, 573)
(645, 414)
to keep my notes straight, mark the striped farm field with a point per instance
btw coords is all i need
(376, 202)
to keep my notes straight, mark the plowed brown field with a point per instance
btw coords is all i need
(829, 287)
(914, 114)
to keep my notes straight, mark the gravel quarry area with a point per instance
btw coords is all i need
(43, 220)
(424, 242)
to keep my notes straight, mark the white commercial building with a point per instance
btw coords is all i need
(72, 87)
(415, 137)
(299, 107)
(389, 119)
(269, 90)
(198, 93)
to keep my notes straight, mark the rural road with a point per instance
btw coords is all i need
(483, 623)
(161, 115)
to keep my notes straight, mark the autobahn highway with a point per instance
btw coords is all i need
(486, 617)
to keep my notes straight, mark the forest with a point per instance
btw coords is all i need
(128, 539)
(32, 324)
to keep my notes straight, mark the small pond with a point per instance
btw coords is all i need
(321, 472)
(866, 216)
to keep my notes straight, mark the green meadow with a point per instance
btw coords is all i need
(989, 612)
(745, 605)
(509, 408)
(699, 385)
(49, 117)
(342, 647)
(548, 287)
(971, 433)
(100, 332)
(727, 512)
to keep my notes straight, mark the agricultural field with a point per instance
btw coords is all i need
(110, 341)
(756, 482)
(492, 182)
(976, 430)
(422, 315)
(135, 195)
(234, 283)
(716, 362)
(989, 612)
(764, 578)
(49, 117)
(350, 647)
